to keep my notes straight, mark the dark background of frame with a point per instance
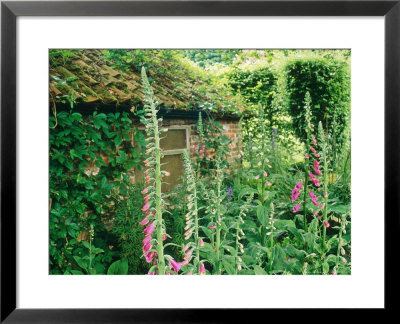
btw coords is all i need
(11, 10)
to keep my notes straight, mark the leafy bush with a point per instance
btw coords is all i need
(328, 82)
(90, 159)
(256, 86)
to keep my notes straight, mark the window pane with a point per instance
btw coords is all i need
(174, 164)
(174, 139)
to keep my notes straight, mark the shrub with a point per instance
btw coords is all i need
(328, 82)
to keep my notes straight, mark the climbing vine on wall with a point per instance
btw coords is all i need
(90, 160)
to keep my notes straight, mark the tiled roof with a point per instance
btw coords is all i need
(88, 78)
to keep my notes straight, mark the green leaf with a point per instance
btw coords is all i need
(262, 215)
(97, 250)
(229, 264)
(279, 262)
(118, 140)
(99, 268)
(325, 268)
(295, 253)
(282, 224)
(230, 249)
(119, 267)
(81, 262)
(331, 259)
(258, 270)
(207, 231)
(296, 233)
(310, 240)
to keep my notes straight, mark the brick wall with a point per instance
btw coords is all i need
(231, 129)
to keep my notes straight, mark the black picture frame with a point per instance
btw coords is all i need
(10, 10)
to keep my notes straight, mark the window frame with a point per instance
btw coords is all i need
(178, 151)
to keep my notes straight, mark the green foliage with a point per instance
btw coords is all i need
(119, 267)
(205, 58)
(127, 229)
(328, 82)
(234, 218)
(255, 86)
(90, 158)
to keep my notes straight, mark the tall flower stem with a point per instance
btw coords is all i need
(271, 229)
(192, 204)
(324, 146)
(239, 221)
(306, 185)
(342, 227)
(91, 237)
(219, 216)
(325, 212)
(307, 106)
(160, 248)
(262, 124)
(154, 151)
(237, 246)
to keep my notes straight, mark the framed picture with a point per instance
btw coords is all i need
(77, 54)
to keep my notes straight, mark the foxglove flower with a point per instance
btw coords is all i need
(175, 265)
(313, 197)
(295, 195)
(149, 257)
(146, 240)
(147, 247)
(149, 229)
(315, 203)
(144, 221)
(315, 181)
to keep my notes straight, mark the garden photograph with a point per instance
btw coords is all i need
(199, 162)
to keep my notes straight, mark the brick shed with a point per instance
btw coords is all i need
(182, 134)
(90, 83)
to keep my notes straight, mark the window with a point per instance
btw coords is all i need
(173, 143)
